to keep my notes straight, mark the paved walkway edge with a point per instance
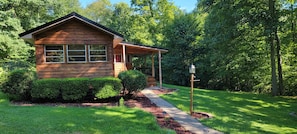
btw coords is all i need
(187, 121)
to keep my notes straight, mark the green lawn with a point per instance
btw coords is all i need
(239, 112)
(78, 120)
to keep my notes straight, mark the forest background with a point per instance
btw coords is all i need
(237, 45)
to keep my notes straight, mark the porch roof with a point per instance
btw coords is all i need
(139, 49)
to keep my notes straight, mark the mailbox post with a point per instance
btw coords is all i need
(192, 72)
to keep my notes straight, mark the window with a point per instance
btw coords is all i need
(97, 53)
(76, 53)
(54, 54)
(118, 58)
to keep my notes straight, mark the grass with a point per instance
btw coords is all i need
(80, 120)
(238, 112)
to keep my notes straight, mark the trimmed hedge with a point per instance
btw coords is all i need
(106, 92)
(18, 84)
(75, 89)
(47, 89)
(106, 87)
(133, 80)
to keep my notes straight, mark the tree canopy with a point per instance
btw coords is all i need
(238, 45)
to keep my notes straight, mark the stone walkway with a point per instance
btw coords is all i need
(187, 121)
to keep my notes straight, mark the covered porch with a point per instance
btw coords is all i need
(124, 52)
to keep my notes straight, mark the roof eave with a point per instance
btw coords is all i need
(145, 47)
(114, 35)
(29, 34)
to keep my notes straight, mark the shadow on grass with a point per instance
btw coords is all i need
(111, 120)
(239, 112)
(57, 119)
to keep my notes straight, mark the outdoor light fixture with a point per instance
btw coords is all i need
(192, 69)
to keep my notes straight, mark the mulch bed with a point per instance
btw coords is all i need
(66, 104)
(163, 119)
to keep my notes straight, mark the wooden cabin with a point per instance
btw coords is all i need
(74, 46)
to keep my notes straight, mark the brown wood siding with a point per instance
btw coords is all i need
(73, 32)
(116, 41)
(62, 70)
(119, 67)
(118, 50)
(39, 51)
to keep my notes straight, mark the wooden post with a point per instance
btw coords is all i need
(191, 95)
(124, 60)
(160, 69)
(153, 66)
(124, 54)
(124, 57)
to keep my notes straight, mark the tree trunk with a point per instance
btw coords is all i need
(151, 2)
(273, 67)
(292, 23)
(272, 30)
(279, 65)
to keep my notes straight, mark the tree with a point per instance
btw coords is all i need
(287, 34)
(11, 46)
(153, 16)
(99, 11)
(17, 16)
(293, 22)
(272, 22)
(233, 46)
(180, 38)
(121, 19)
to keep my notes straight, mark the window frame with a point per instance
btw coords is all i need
(85, 55)
(90, 56)
(45, 52)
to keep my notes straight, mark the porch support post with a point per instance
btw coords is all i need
(160, 69)
(153, 66)
(124, 57)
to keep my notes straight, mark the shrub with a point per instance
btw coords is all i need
(133, 80)
(46, 89)
(290, 85)
(18, 84)
(3, 75)
(3, 100)
(106, 87)
(74, 89)
(106, 92)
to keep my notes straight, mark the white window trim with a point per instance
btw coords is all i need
(89, 54)
(53, 56)
(76, 55)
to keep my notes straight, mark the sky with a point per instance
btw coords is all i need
(187, 5)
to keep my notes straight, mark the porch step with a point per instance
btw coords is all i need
(151, 81)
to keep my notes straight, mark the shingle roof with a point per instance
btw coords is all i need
(71, 15)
